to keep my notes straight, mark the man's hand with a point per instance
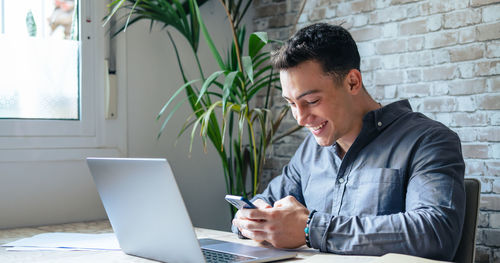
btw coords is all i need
(260, 204)
(282, 225)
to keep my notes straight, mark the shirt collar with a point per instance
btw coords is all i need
(384, 116)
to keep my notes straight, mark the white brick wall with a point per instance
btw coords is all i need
(442, 55)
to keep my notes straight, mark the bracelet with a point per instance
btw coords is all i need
(307, 229)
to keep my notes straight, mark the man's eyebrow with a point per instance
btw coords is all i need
(304, 94)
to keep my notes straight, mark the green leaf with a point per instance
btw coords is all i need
(210, 43)
(261, 58)
(256, 41)
(188, 123)
(116, 5)
(273, 79)
(238, 20)
(193, 131)
(247, 65)
(170, 116)
(183, 17)
(130, 15)
(263, 70)
(259, 85)
(195, 26)
(224, 120)
(177, 56)
(228, 84)
(218, 84)
(206, 120)
(240, 35)
(214, 94)
(207, 83)
(123, 27)
(169, 13)
(175, 95)
(241, 122)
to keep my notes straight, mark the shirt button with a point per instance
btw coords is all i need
(379, 123)
(341, 180)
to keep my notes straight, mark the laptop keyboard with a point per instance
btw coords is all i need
(218, 256)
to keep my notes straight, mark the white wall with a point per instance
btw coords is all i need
(39, 193)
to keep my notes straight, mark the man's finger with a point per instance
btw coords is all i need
(249, 224)
(261, 204)
(253, 214)
(254, 235)
(287, 201)
(238, 214)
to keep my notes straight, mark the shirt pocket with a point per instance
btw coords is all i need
(375, 191)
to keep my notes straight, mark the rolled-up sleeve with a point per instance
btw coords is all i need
(431, 223)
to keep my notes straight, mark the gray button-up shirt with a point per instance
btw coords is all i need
(398, 189)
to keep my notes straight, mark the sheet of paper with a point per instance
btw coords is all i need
(47, 249)
(72, 241)
(397, 258)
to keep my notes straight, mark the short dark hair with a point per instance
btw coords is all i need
(332, 46)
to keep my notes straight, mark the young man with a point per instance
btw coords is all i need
(368, 180)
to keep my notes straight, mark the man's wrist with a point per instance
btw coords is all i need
(307, 229)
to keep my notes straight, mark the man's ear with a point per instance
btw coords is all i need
(354, 81)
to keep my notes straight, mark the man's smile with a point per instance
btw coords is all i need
(317, 129)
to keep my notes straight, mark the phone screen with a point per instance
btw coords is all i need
(240, 202)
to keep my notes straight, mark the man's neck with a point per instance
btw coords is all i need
(345, 142)
(340, 150)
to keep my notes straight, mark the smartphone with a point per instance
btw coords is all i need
(239, 202)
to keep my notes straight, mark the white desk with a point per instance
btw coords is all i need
(10, 235)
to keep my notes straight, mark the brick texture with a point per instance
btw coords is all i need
(441, 55)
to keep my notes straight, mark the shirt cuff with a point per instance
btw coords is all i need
(318, 230)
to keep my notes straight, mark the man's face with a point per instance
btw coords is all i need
(318, 102)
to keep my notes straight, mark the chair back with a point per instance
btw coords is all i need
(467, 246)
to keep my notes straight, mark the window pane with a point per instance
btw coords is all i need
(39, 65)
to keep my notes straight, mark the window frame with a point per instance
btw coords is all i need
(2, 16)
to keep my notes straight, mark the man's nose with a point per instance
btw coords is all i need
(300, 114)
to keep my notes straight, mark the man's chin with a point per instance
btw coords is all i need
(323, 141)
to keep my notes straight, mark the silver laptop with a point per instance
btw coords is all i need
(150, 220)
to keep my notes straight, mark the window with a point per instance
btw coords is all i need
(39, 48)
(53, 80)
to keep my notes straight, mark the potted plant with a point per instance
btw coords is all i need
(243, 131)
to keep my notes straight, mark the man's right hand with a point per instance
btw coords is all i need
(260, 204)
